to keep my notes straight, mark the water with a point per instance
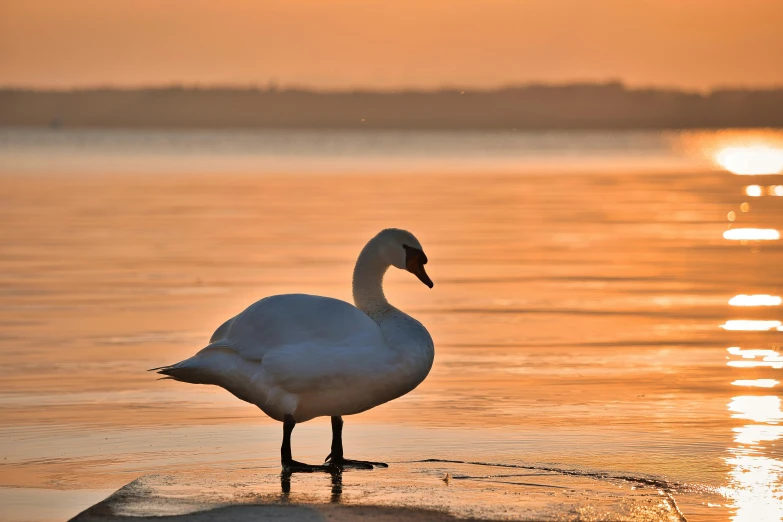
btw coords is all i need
(580, 314)
(341, 151)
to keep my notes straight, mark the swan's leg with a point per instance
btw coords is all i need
(289, 464)
(336, 457)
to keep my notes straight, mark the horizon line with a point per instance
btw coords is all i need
(273, 86)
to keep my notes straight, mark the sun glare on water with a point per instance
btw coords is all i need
(754, 486)
(750, 325)
(754, 191)
(755, 300)
(754, 358)
(756, 383)
(752, 234)
(751, 160)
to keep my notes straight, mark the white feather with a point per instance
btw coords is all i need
(311, 356)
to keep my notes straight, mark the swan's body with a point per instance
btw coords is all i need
(312, 356)
(298, 356)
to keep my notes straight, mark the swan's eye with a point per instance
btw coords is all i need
(414, 253)
(414, 263)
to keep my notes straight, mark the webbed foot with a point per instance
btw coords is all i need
(343, 463)
(292, 466)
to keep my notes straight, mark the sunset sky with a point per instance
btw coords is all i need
(694, 44)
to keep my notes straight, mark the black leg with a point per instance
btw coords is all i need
(289, 464)
(336, 456)
(337, 438)
(288, 428)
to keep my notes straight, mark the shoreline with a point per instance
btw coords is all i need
(102, 512)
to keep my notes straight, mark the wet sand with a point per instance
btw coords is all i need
(577, 322)
(424, 490)
(314, 513)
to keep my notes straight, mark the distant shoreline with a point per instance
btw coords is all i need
(606, 106)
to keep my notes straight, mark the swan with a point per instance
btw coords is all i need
(299, 356)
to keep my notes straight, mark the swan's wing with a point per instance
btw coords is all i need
(288, 323)
(222, 331)
(309, 368)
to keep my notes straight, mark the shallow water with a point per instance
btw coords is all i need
(577, 319)
(362, 152)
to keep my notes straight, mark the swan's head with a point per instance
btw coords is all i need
(402, 250)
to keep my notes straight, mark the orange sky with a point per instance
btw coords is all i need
(424, 43)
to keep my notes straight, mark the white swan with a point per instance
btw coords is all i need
(300, 356)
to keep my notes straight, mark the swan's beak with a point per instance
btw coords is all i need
(415, 260)
(422, 275)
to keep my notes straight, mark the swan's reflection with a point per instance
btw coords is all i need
(336, 486)
(285, 484)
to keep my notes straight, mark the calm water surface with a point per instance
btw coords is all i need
(581, 317)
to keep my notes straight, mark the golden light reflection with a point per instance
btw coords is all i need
(752, 234)
(757, 408)
(757, 364)
(748, 325)
(756, 383)
(755, 486)
(756, 191)
(755, 358)
(755, 300)
(755, 479)
(755, 433)
(750, 354)
(751, 160)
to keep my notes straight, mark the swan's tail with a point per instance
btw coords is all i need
(177, 372)
(219, 364)
(202, 368)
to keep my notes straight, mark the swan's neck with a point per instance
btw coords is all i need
(405, 336)
(368, 282)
